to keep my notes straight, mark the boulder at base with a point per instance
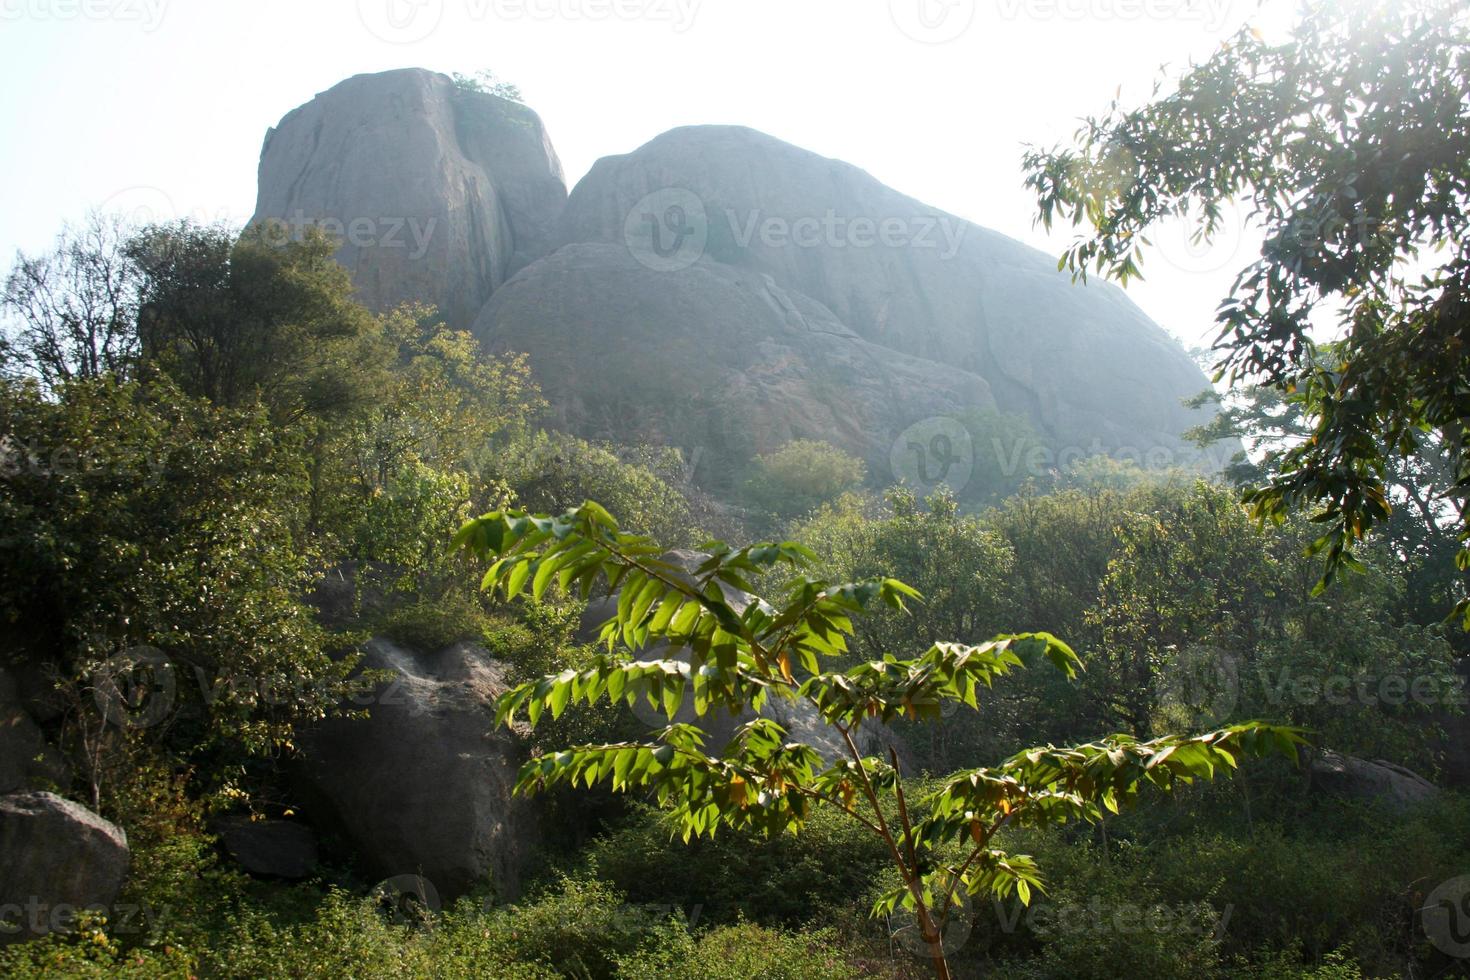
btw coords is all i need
(1360, 779)
(272, 848)
(423, 785)
(57, 859)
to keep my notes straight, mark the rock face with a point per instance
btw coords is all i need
(718, 289)
(438, 193)
(711, 355)
(423, 785)
(793, 295)
(1360, 779)
(57, 858)
(25, 756)
(273, 848)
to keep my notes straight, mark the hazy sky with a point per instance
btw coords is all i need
(158, 107)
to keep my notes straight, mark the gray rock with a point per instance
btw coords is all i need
(57, 858)
(711, 356)
(829, 332)
(1360, 779)
(273, 848)
(26, 758)
(423, 785)
(452, 191)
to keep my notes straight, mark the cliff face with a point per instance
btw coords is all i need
(719, 288)
(438, 194)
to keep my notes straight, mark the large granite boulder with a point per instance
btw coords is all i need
(422, 786)
(1376, 781)
(438, 193)
(799, 296)
(26, 758)
(711, 356)
(57, 859)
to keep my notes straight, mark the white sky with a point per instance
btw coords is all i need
(158, 107)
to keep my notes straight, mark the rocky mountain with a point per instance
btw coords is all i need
(723, 290)
(439, 194)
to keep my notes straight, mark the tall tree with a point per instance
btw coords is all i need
(244, 318)
(1350, 141)
(72, 312)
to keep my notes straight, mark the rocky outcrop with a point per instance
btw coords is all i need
(718, 274)
(270, 848)
(26, 758)
(1360, 779)
(57, 859)
(711, 355)
(422, 786)
(438, 193)
(719, 289)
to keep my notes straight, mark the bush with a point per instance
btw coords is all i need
(802, 475)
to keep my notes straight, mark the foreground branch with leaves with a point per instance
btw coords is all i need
(740, 654)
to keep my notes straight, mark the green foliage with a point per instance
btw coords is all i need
(1348, 141)
(784, 881)
(745, 952)
(803, 475)
(761, 781)
(552, 471)
(255, 318)
(139, 516)
(487, 82)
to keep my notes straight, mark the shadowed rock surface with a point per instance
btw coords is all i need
(452, 191)
(273, 848)
(25, 756)
(719, 288)
(712, 355)
(423, 785)
(1361, 779)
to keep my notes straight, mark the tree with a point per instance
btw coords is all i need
(802, 475)
(241, 319)
(487, 82)
(1351, 142)
(738, 658)
(74, 309)
(1420, 531)
(149, 533)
